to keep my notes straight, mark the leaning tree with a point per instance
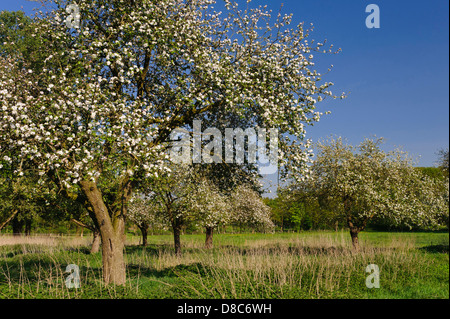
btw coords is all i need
(119, 76)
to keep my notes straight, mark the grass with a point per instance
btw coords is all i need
(311, 265)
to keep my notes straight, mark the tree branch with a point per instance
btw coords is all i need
(9, 219)
(79, 223)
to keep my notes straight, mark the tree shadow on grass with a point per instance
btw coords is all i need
(158, 249)
(83, 250)
(289, 250)
(175, 271)
(436, 249)
(295, 250)
(41, 270)
(150, 249)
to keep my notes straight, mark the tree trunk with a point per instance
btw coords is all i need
(209, 237)
(177, 241)
(17, 226)
(144, 232)
(354, 234)
(8, 220)
(112, 233)
(353, 225)
(176, 237)
(96, 240)
(355, 229)
(28, 223)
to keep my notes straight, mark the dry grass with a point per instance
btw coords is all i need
(48, 240)
(316, 266)
(309, 266)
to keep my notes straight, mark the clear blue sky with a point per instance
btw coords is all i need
(397, 75)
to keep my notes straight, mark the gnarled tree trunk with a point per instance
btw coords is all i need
(355, 228)
(209, 237)
(176, 226)
(96, 240)
(354, 234)
(144, 232)
(112, 233)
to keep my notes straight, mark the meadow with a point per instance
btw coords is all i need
(306, 265)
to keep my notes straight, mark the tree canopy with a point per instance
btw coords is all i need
(365, 183)
(110, 90)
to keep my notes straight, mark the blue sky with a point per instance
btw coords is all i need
(397, 75)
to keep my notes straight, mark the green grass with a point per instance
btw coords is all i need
(308, 265)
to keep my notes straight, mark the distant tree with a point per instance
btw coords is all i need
(436, 173)
(187, 196)
(146, 212)
(280, 214)
(8, 219)
(169, 193)
(22, 198)
(78, 210)
(304, 208)
(443, 160)
(368, 183)
(248, 208)
(209, 207)
(96, 241)
(297, 214)
(20, 195)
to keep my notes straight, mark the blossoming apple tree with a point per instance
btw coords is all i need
(114, 86)
(147, 213)
(248, 208)
(369, 183)
(209, 207)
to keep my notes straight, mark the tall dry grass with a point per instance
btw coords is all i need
(316, 266)
(36, 267)
(47, 240)
(319, 266)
